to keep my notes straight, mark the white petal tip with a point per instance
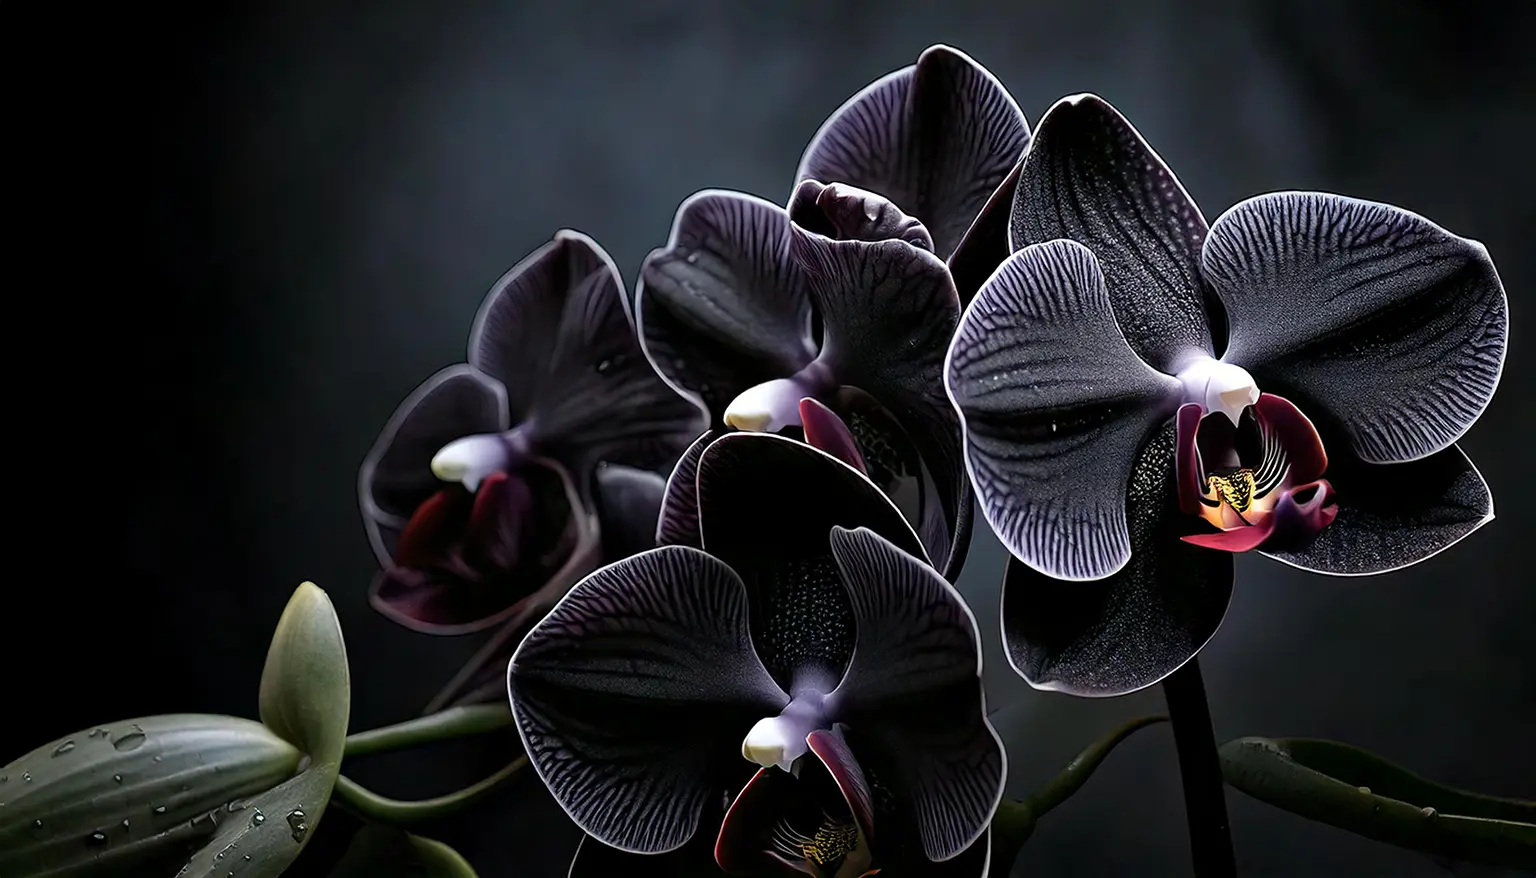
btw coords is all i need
(766, 745)
(748, 421)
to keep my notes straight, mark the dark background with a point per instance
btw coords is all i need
(241, 238)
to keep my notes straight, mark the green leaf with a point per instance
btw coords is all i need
(440, 860)
(306, 699)
(120, 793)
(1360, 792)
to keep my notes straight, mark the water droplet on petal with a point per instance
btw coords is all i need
(132, 739)
(63, 748)
(692, 258)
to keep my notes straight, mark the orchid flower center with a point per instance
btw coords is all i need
(472, 459)
(773, 405)
(780, 740)
(1220, 387)
(835, 844)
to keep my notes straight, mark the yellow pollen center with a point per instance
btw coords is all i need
(833, 841)
(1235, 489)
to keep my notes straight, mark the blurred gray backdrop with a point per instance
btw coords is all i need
(317, 198)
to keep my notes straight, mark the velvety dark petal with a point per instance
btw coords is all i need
(721, 310)
(1394, 515)
(1392, 325)
(628, 509)
(913, 690)
(679, 520)
(396, 476)
(1131, 630)
(936, 138)
(888, 311)
(696, 859)
(1090, 177)
(847, 213)
(556, 330)
(1188, 469)
(1056, 407)
(826, 431)
(986, 243)
(633, 694)
(975, 862)
(766, 505)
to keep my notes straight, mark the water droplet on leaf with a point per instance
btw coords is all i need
(132, 739)
(63, 748)
(117, 778)
(258, 818)
(96, 838)
(26, 777)
(159, 809)
(296, 824)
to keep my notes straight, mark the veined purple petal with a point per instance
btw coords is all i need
(912, 693)
(632, 694)
(846, 213)
(556, 330)
(1130, 630)
(1395, 515)
(720, 308)
(679, 520)
(936, 138)
(1056, 407)
(396, 476)
(1091, 178)
(766, 505)
(888, 310)
(1389, 324)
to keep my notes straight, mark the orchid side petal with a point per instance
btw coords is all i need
(1389, 324)
(624, 693)
(678, 524)
(1056, 407)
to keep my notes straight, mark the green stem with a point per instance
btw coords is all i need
(397, 812)
(455, 722)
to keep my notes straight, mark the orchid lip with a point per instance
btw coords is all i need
(781, 740)
(773, 405)
(472, 459)
(1220, 387)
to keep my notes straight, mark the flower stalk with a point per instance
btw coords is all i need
(1205, 803)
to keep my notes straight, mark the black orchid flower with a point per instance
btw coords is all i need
(843, 297)
(822, 647)
(499, 483)
(1143, 395)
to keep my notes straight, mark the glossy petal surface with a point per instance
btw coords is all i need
(936, 138)
(1388, 323)
(826, 431)
(721, 310)
(396, 476)
(889, 310)
(556, 331)
(1091, 178)
(766, 506)
(1056, 406)
(913, 692)
(1394, 515)
(633, 694)
(1129, 631)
